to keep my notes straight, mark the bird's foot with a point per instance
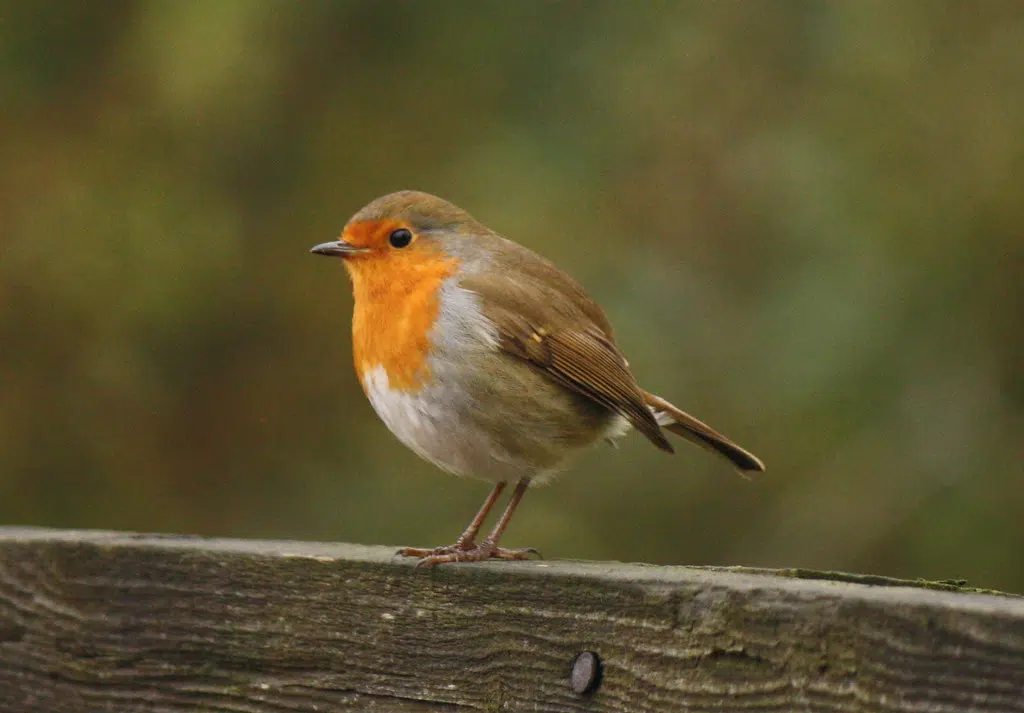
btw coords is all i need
(431, 551)
(465, 552)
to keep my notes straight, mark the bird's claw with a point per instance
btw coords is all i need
(430, 551)
(466, 552)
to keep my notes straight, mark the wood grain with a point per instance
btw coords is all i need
(93, 621)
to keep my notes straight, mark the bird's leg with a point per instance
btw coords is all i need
(467, 540)
(468, 537)
(488, 549)
(499, 527)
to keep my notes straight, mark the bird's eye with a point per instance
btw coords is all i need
(400, 238)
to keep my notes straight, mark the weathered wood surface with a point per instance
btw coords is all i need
(93, 621)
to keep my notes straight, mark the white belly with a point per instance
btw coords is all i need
(434, 423)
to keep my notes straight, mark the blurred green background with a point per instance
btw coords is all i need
(805, 219)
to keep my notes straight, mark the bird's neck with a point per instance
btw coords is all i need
(396, 304)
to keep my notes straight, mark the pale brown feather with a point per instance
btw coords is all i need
(703, 435)
(558, 336)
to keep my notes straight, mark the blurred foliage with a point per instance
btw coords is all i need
(805, 220)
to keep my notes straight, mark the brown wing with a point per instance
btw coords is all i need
(540, 323)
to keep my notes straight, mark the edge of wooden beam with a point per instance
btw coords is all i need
(795, 580)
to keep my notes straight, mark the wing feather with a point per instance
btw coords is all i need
(568, 346)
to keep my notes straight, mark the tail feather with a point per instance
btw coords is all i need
(685, 425)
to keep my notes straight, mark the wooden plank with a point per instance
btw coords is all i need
(94, 621)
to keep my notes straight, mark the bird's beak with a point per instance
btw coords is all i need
(337, 248)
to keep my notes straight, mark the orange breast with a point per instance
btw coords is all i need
(396, 305)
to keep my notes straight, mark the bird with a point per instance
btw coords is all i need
(487, 360)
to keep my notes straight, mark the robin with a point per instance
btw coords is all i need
(487, 360)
